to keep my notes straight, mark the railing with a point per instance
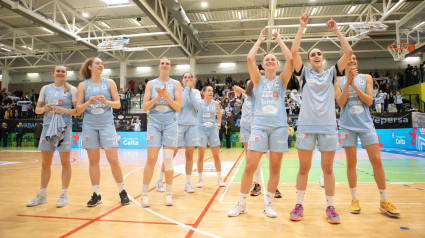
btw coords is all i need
(414, 102)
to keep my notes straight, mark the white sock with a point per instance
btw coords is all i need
(188, 178)
(168, 188)
(353, 192)
(145, 188)
(242, 198)
(300, 196)
(200, 176)
(330, 200)
(219, 175)
(161, 176)
(268, 198)
(96, 189)
(121, 186)
(64, 191)
(257, 177)
(43, 191)
(383, 193)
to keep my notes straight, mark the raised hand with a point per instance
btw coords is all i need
(261, 37)
(331, 24)
(276, 37)
(351, 74)
(303, 19)
(191, 82)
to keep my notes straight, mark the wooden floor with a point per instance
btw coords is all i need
(201, 214)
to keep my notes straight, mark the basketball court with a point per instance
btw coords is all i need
(204, 213)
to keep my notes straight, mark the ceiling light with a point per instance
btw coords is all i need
(227, 65)
(204, 4)
(70, 72)
(183, 66)
(5, 49)
(304, 30)
(314, 11)
(351, 9)
(136, 22)
(85, 14)
(418, 25)
(45, 29)
(203, 17)
(115, 1)
(32, 74)
(143, 68)
(275, 13)
(105, 25)
(239, 15)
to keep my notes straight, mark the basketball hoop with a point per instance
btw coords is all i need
(400, 50)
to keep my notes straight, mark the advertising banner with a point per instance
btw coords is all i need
(126, 140)
(392, 120)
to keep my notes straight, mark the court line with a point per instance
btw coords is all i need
(231, 181)
(198, 221)
(342, 203)
(103, 215)
(89, 219)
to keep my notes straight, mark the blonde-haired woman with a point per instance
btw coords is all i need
(56, 98)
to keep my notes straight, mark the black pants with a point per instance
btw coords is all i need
(19, 140)
(400, 107)
(289, 141)
(4, 138)
(37, 140)
(228, 143)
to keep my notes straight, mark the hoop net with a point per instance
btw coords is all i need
(399, 51)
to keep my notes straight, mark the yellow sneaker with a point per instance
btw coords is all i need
(388, 208)
(355, 206)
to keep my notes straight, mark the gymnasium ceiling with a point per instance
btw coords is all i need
(36, 34)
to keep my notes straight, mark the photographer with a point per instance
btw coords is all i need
(136, 126)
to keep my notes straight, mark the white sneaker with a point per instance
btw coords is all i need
(39, 199)
(322, 181)
(159, 186)
(145, 200)
(188, 188)
(221, 183)
(269, 211)
(200, 184)
(238, 209)
(63, 200)
(169, 199)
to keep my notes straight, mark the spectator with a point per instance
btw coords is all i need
(4, 133)
(408, 75)
(376, 74)
(395, 81)
(20, 132)
(9, 113)
(136, 125)
(399, 101)
(30, 112)
(118, 126)
(228, 132)
(141, 88)
(127, 126)
(228, 110)
(391, 105)
(131, 84)
(415, 75)
(241, 83)
(290, 132)
(16, 114)
(37, 133)
(378, 105)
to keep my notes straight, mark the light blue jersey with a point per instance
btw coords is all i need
(98, 114)
(268, 104)
(247, 112)
(56, 96)
(191, 102)
(317, 115)
(355, 115)
(207, 116)
(162, 112)
(399, 99)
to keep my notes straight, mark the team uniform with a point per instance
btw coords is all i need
(317, 119)
(56, 96)
(162, 125)
(208, 128)
(187, 119)
(269, 130)
(355, 120)
(98, 123)
(246, 119)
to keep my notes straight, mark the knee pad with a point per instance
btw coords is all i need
(168, 160)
